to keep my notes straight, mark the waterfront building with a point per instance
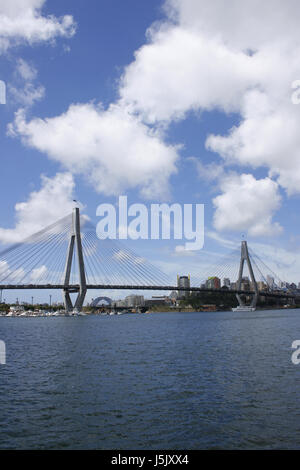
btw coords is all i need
(155, 302)
(270, 281)
(184, 282)
(133, 301)
(261, 286)
(164, 299)
(245, 284)
(173, 295)
(213, 283)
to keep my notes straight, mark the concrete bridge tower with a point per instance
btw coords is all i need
(245, 257)
(75, 239)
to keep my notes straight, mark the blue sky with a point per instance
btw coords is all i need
(195, 108)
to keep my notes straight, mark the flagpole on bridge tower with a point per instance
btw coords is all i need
(75, 240)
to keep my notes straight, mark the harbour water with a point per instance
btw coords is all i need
(218, 380)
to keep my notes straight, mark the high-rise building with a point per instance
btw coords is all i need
(183, 282)
(270, 281)
(261, 286)
(213, 283)
(245, 284)
(226, 282)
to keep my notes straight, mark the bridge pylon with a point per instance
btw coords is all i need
(245, 257)
(75, 239)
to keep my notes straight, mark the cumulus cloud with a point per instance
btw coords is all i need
(237, 57)
(180, 70)
(43, 207)
(22, 21)
(247, 204)
(210, 58)
(112, 147)
(242, 25)
(267, 136)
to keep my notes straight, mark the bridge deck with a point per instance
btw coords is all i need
(75, 288)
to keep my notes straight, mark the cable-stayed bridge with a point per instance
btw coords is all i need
(68, 255)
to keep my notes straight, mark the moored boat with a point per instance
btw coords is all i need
(244, 308)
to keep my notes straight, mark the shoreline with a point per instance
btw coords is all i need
(179, 310)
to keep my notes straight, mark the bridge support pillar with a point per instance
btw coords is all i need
(245, 257)
(74, 239)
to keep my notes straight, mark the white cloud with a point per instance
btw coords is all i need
(43, 207)
(21, 21)
(28, 94)
(285, 263)
(180, 70)
(39, 273)
(210, 172)
(113, 148)
(240, 57)
(23, 88)
(267, 136)
(242, 25)
(182, 251)
(247, 204)
(27, 71)
(237, 57)
(224, 242)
